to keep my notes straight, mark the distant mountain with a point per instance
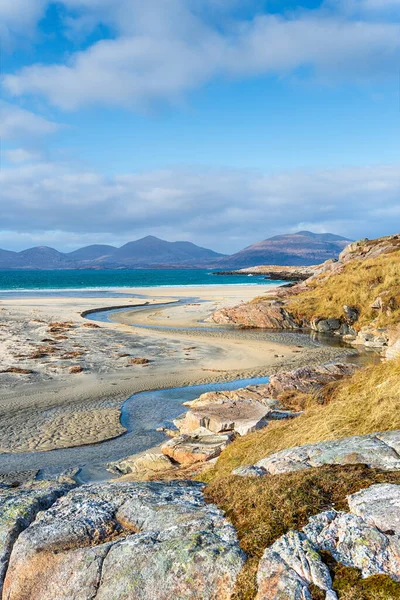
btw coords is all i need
(301, 248)
(151, 251)
(88, 253)
(8, 259)
(146, 252)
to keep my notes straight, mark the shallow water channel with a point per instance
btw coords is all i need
(143, 412)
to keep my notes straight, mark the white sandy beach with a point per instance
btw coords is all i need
(51, 407)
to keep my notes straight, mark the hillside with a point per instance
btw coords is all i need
(301, 248)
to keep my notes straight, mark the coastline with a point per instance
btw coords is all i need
(66, 410)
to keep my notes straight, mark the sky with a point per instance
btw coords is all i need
(222, 122)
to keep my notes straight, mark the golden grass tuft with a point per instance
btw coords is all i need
(358, 284)
(267, 507)
(368, 401)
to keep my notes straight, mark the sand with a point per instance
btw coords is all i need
(51, 407)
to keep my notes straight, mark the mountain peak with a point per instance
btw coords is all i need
(295, 249)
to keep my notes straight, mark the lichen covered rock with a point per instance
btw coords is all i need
(148, 541)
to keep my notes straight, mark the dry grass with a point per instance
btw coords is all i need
(364, 403)
(358, 285)
(267, 507)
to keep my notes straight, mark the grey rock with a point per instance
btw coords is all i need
(148, 541)
(351, 313)
(18, 508)
(372, 450)
(290, 565)
(249, 471)
(293, 562)
(355, 543)
(378, 505)
(326, 325)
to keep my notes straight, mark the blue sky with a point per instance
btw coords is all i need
(218, 121)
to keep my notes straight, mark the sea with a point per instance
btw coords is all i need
(111, 283)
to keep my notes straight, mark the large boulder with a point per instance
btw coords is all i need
(125, 541)
(307, 379)
(377, 450)
(240, 416)
(269, 314)
(197, 447)
(142, 467)
(18, 509)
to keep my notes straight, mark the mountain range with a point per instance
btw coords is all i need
(302, 248)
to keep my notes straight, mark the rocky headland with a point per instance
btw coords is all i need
(356, 298)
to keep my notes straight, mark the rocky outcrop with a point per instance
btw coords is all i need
(18, 509)
(275, 273)
(393, 347)
(279, 313)
(307, 379)
(367, 538)
(199, 446)
(152, 541)
(377, 450)
(269, 314)
(202, 430)
(239, 415)
(365, 248)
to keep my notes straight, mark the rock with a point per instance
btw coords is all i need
(139, 361)
(326, 325)
(293, 563)
(378, 505)
(371, 337)
(377, 304)
(269, 314)
(307, 379)
(351, 541)
(351, 313)
(200, 446)
(150, 541)
(288, 567)
(18, 508)
(240, 416)
(374, 450)
(142, 467)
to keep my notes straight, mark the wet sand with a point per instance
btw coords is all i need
(52, 408)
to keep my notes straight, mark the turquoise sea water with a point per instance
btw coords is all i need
(111, 282)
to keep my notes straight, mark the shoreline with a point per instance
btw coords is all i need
(76, 410)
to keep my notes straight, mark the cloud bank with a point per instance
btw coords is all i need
(158, 51)
(223, 208)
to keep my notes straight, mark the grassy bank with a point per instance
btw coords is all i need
(265, 508)
(364, 403)
(358, 284)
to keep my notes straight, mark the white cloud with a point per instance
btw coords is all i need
(18, 123)
(18, 19)
(52, 201)
(20, 155)
(162, 50)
